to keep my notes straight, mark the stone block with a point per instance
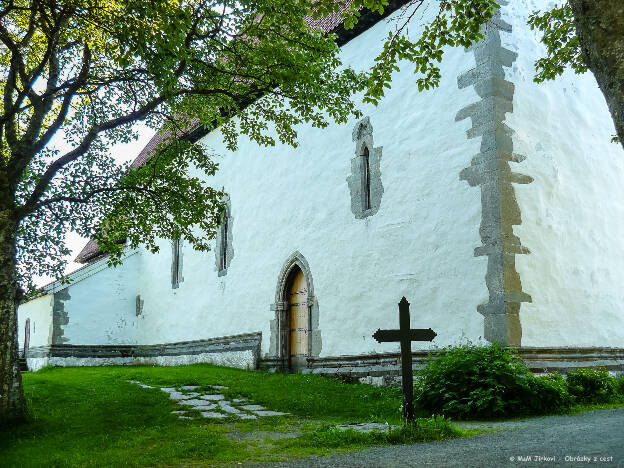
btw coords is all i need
(253, 407)
(270, 413)
(210, 414)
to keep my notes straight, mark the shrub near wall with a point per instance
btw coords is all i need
(619, 385)
(492, 382)
(547, 394)
(476, 382)
(592, 386)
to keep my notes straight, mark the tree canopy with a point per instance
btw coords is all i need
(89, 69)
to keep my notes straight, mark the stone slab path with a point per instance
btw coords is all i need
(211, 403)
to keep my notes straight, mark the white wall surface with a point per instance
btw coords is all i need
(420, 244)
(102, 307)
(39, 311)
(573, 212)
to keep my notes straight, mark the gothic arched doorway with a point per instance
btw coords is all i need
(294, 332)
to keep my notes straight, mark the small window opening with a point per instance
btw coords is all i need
(175, 263)
(367, 185)
(224, 242)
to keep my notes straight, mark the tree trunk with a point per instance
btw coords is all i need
(12, 402)
(600, 29)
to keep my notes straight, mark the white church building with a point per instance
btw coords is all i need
(494, 204)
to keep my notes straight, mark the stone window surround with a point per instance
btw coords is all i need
(229, 252)
(360, 191)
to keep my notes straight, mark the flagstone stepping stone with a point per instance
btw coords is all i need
(178, 412)
(168, 389)
(195, 402)
(219, 387)
(192, 394)
(225, 406)
(190, 387)
(269, 413)
(253, 407)
(179, 396)
(239, 400)
(212, 397)
(210, 414)
(366, 427)
(247, 416)
(204, 406)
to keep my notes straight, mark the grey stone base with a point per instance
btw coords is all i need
(242, 351)
(385, 369)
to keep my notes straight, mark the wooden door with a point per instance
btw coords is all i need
(299, 320)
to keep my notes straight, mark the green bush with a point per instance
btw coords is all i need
(474, 382)
(487, 382)
(548, 394)
(592, 386)
(490, 382)
(619, 385)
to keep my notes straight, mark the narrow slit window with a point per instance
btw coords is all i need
(366, 180)
(175, 264)
(224, 242)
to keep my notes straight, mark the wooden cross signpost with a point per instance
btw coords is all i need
(405, 335)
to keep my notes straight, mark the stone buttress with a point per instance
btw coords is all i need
(490, 169)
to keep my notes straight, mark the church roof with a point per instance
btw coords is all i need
(328, 24)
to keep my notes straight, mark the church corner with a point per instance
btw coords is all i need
(492, 203)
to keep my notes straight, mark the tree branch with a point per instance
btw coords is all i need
(80, 150)
(80, 81)
(88, 196)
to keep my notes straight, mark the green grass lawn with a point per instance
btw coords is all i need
(94, 417)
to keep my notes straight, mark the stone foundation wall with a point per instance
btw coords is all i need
(242, 351)
(385, 369)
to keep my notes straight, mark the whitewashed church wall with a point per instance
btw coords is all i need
(39, 311)
(573, 211)
(99, 308)
(420, 244)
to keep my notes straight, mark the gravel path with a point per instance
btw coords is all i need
(591, 438)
